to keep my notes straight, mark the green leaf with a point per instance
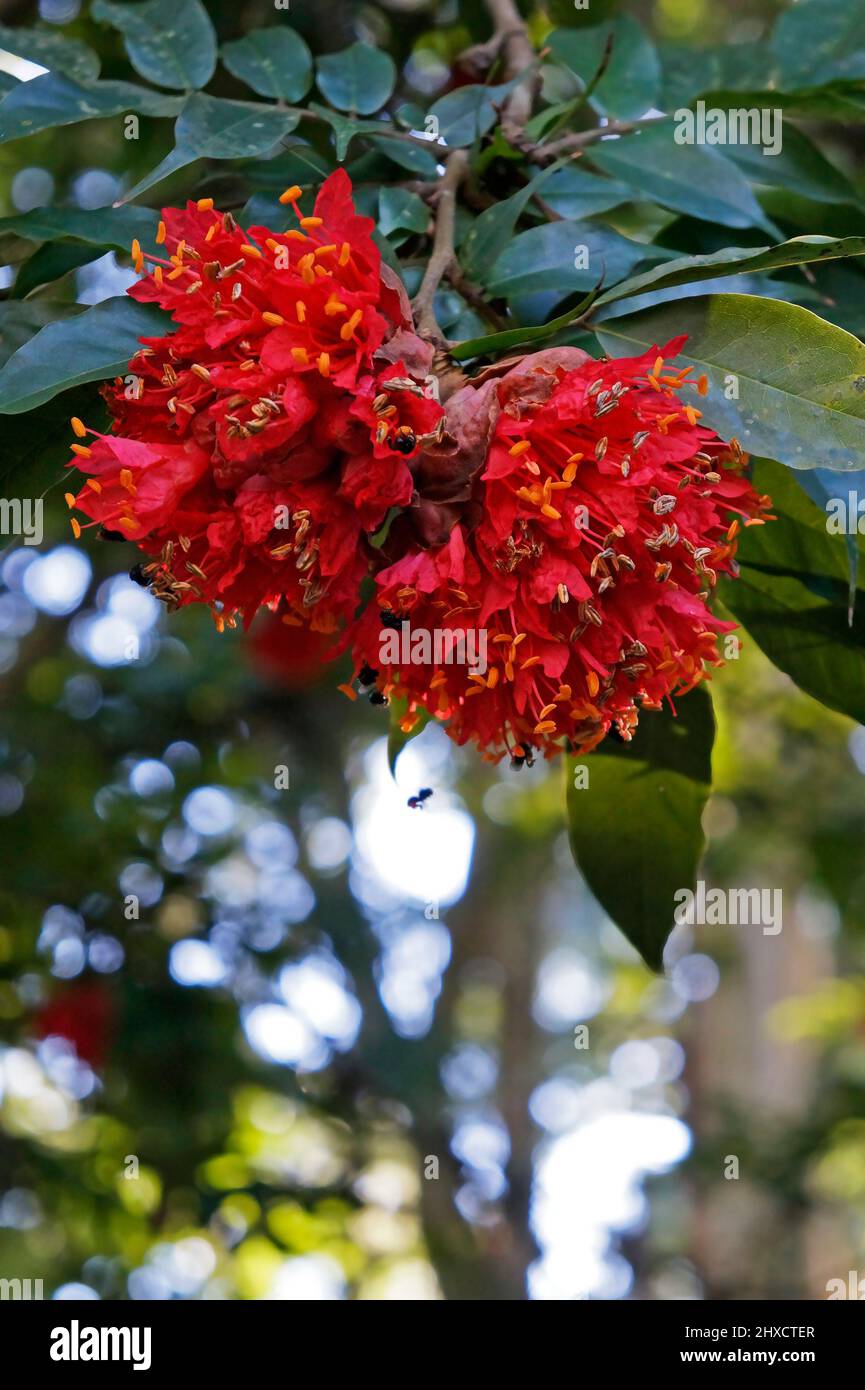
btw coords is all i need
(411, 157)
(51, 262)
(736, 260)
(694, 179)
(629, 86)
(819, 41)
(51, 50)
(36, 444)
(54, 100)
(397, 207)
(544, 258)
(178, 158)
(636, 830)
(108, 227)
(90, 347)
(19, 322)
(490, 233)
(574, 193)
(800, 380)
(213, 128)
(359, 79)
(517, 337)
(274, 62)
(799, 167)
(170, 42)
(345, 128)
(467, 113)
(792, 594)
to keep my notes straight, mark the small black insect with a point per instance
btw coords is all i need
(416, 802)
(404, 442)
(137, 575)
(525, 758)
(367, 675)
(376, 698)
(106, 535)
(389, 619)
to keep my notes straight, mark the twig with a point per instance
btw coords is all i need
(578, 140)
(442, 257)
(511, 34)
(474, 296)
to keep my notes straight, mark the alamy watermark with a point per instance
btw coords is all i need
(22, 516)
(730, 907)
(755, 125)
(438, 646)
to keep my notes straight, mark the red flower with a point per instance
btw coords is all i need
(606, 512)
(271, 427)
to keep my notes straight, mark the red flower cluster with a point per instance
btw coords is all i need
(562, 520)
(257, 443)
(606, 513)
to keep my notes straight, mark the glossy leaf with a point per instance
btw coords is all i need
(274, 62)
(629, 85)
(95, 344)
(735, 260)
(792, 593)
(170, 42)
(54, 100)
(800, 380)
(635, 830)
(51, 50)
(693, 179)
(359, 79)
(550, 258)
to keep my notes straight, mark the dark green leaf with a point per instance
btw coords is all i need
(491, 232)
(19, 322)
(735, 260)
(90, 347)
(109, 227)
(518, 337)
(792, 594)
(799, 166)
(800, 380)
(545, 258)
(170, 42)
(213, 128)
(51, 50)
(819, 41)
(345, 128)
(273, 62)
(359, 79)
(54, 100)
(467, 113)
(629, 86)
(400, 208)
(575, 193)
(636, 830)
(695, 179)
(52, 261)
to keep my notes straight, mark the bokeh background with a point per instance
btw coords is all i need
(304, 1042)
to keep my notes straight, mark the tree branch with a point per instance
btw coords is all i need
(443, 254)
(511, 35)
